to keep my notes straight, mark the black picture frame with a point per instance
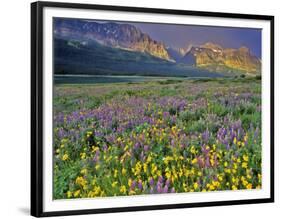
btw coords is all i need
(37, 107)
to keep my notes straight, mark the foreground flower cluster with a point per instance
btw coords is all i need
(143, 142)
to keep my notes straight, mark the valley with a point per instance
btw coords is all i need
(83, 47)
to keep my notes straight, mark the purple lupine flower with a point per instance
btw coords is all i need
(133, 185)
(173, 143)
(146, 148)
(61, 133)
(151, 181)
(167, 183)
(160, 179)
(159, 184)
(206, 136)
(142, 156)
(137, 145)
(166, 114)
(204, 149)
(216, 160)
(227, 146)
(165, 189)
(207, 161)
(140, 185)
(159, 189)
(96, 158)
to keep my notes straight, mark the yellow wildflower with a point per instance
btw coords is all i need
(249, 186)
(227, 170)
(83, 155)
(83, 171)
(97, 166)
(81, 181)
(137, 169)
(245, 183)
(212, 161)
(114, 184)
(216, 183)
(192, 150)
(245, 158)
(115, 173)
(132, 192)
(168, 175)
(89, 133)
(259, 177)
(148, 160)
(130, 182)
(244, 165)
(65, 157)
(145, 167)
(94, 148)
(180, 172)
(123, 189)
(195, 185)
(159, 173)
(69, 194)
(77, 193)
(124, 171)
(94, 181)
(194, 161)
(235, 180)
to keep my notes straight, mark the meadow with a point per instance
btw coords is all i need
(168, 136)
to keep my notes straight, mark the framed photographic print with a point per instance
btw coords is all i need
(143, 108)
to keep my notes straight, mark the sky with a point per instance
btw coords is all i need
(182, 36)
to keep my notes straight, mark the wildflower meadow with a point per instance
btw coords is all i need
(166, 136)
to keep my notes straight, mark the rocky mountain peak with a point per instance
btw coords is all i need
(244, 49)
(214, 57)
(210, 45)
(124, 36)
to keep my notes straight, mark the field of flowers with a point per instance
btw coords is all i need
(157, 137)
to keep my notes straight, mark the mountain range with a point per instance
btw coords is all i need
(216, 58)
(83, 46)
